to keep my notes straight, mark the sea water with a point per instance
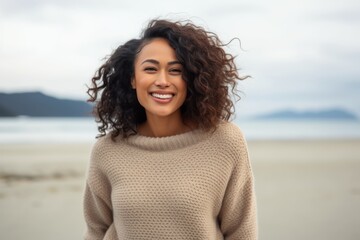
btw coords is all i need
(300, 129)
(68, 130)
(47, 130)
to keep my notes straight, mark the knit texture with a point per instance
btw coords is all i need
(196, 185)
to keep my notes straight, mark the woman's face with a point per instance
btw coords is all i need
(158, 81)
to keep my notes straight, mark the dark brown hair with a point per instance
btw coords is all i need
(210, 74)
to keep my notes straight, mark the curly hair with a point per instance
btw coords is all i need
(209, 73)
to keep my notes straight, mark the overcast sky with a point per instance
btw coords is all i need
(300, 54)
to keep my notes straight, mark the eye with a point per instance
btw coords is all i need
(150, 69)
(175, 71)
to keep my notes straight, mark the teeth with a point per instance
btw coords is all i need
(162, 96)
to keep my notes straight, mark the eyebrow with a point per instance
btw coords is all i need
(157, 62)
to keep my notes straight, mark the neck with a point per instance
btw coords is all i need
(163, 126)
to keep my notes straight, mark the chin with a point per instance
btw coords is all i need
(163, 114)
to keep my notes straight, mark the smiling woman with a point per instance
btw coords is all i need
(160, 89)
(168, 164)
(208, 71)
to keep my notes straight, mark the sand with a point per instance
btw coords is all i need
(305, 189)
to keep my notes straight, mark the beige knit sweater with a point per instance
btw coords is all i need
(194, 185)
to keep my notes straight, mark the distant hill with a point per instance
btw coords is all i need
(5, 112)
(37, 104)
(322, 114)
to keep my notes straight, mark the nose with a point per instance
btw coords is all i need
(162, 80)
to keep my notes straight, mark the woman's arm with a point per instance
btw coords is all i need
(98, 215)
(238, 215)
(97, 202)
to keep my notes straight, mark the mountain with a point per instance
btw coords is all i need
(37, 104)
(328, 114)
(6, 113)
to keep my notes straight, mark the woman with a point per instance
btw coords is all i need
(168, 164)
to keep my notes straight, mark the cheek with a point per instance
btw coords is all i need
(183, 92)
(140, 89)
(141, 97)
(139, 82)
(183, 87)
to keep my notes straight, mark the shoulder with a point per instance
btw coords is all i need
(103, 148)
(229, 131)
(102, 143)
(230, 139)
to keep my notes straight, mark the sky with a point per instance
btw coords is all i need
(302, 55)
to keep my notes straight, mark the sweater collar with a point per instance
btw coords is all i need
(167, 143)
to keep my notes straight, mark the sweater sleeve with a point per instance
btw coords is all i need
(238, 214)
(97, 204)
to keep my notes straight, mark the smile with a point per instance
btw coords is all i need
(162, 96)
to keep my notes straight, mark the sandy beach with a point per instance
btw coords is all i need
(305, 189)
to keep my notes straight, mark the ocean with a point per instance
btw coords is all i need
(68, 130)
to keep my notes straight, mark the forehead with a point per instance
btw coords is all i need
(157, 48)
